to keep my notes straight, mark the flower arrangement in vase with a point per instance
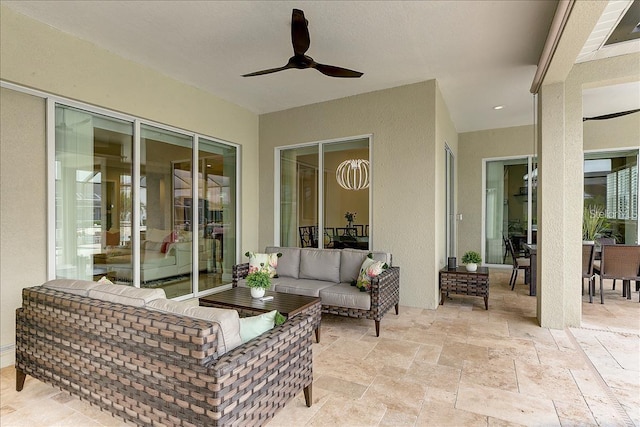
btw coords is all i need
(350, 217)
(259, 281)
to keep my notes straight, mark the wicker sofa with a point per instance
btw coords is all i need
(328, 274)
(153, 367)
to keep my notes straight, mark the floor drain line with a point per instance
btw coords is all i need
(603, 384)
(624, 334)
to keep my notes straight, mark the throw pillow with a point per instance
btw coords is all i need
(251, 327)
(268, 261)
(171, 238)
(370, 269)
(104, 281)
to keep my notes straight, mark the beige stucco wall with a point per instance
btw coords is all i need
(22, 206)
(40, 57)
(473, 148)
(407, 161)
(621, 132)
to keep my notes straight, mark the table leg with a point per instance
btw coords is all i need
(486, 302)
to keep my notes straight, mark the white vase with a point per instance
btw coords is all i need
(257, 292)
(472, 267)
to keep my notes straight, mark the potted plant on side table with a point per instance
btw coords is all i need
(259, 281)
(471, 259)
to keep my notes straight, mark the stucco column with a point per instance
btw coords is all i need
(560, 203)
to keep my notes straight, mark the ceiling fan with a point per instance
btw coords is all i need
(300, 40)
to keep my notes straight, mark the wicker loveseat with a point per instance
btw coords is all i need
(328, 274)
(157, 368)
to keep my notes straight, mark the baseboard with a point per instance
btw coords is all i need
(7, 355)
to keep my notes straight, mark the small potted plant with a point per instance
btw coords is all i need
(471, 259)
(259, 281)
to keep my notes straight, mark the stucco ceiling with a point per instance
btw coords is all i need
(482, 53)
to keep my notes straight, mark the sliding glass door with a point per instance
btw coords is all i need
(132, 207)
(324, 195)
(510, 207)
(92, 206)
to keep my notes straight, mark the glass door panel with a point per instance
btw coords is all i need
(507, 208)
(217, 193)
(345, 204)
(299, 196)
(92, 218)
(167, 227)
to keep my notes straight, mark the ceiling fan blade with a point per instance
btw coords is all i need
(333, 71)
(269, 71)
(299, 32)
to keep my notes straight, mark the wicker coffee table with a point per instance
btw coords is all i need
(288, 305)
(463, 282)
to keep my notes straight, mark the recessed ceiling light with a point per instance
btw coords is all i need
(498, 107)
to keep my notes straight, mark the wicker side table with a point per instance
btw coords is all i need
(463, 282)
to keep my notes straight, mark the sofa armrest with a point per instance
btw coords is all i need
(275, 365)
(239, 271)
(385, 291)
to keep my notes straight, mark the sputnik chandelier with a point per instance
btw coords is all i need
(353, 174)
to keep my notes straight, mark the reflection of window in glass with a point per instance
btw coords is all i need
(91, 153)
(217, 187)
(611, 181)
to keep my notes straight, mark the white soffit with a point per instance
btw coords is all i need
(594, 48)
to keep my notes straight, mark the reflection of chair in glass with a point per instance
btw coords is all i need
(308, 236)
(588, 253)
(518, 264)
(620, 262)
(346, 232)
(329, 237)
(359, 229)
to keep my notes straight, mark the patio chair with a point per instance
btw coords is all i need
(620, 262)
(588, 253)
(518, 264)
(598, 256)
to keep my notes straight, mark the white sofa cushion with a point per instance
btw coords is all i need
(345, 295)
(227, 320)
(128, 295)
(288, 263)
(320, 264)
(72, 286)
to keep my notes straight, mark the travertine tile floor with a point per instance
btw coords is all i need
(459, 365)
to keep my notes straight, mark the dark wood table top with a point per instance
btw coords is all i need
(462, 269)
(240, 298)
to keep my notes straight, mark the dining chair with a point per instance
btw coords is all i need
(506, 249)
(329, 237)
(620, 262)
(346, 231)
(518, 264)
(308, 236)
(359, 229)
(588, 253)
(600, 242)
